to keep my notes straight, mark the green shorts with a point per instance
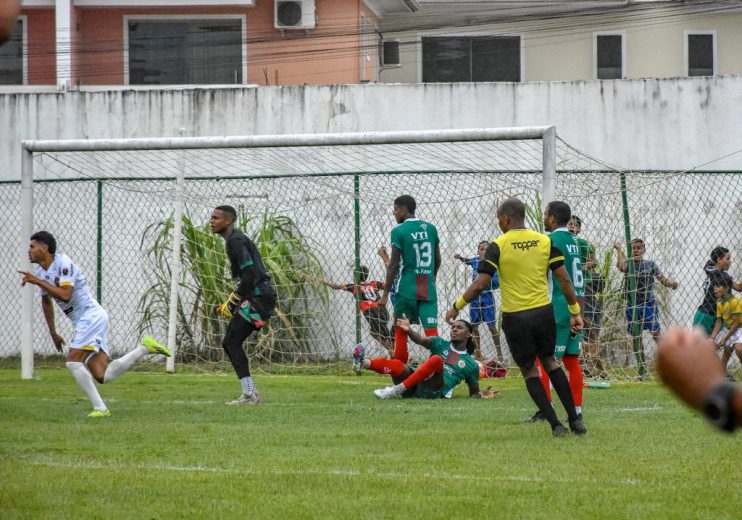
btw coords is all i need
(704, 321)
(423, 312)
(564, 343)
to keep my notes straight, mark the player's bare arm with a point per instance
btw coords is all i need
(480, 283)
(392, 269)
(48, 310)
(437, 261)
(474, 390)
(404, 324)
(61, 293)
(664, 280)
(560, 273)
(330, 284)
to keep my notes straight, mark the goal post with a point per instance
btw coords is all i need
(257, 159)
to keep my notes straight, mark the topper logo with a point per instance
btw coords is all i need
(525, 246)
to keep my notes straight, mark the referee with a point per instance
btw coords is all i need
(523, 258)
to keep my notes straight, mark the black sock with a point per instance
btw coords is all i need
(561, 386)
(538, 394)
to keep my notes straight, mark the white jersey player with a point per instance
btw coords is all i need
(58, 278)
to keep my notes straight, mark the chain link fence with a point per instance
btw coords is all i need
(318, 212)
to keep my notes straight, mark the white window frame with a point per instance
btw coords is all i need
(175, 17)
(433, 34)
(24, 47)
(368, 49)
(622, 34)
(685, 49)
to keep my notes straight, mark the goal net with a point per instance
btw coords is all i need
(320, 207)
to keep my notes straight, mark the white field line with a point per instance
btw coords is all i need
(348, 472)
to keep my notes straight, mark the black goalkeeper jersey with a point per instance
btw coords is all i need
(247, 265)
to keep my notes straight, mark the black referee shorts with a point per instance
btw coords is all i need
(531, 334)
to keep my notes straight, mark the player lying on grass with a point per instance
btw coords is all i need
(727, 334)
(59, 278)
(450, 363)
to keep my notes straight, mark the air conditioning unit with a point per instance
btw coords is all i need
(390, 53)
(294, 14)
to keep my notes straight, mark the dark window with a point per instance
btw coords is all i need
(610, 56)
(11, 58)
(480, 58)
(700, 55)
(185, 52)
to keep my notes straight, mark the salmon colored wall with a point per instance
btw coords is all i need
(42, 63)
(327, 54)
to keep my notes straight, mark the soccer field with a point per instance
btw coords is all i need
(324, 447)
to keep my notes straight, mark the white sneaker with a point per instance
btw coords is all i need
(386, 393)
(246, 399)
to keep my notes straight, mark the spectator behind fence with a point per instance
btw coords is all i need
(644, 309)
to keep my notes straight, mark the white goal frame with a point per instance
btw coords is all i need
(545, 133)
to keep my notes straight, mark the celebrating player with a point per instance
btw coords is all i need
(645, 309)
(450, 362)
(522, 258)
(556, 217)
(59, 278)
(482, 308)
(415, 245)
(368, 295)
(252, 302)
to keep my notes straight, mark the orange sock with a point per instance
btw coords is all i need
(400, 345)
(425, 371)
(574, 371)
(544, 377)
(392, 367)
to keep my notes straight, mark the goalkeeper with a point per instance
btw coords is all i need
(450, 363)
(252, 302)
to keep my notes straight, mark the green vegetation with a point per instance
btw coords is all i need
(205, 282)
(323, 447)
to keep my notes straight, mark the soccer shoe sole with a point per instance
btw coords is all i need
(359, 352)
(154, 347)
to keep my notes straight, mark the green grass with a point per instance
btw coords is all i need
(324, 447)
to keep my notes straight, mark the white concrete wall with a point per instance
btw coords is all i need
(653, 124)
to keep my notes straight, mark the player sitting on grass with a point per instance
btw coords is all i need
(368, 297)
(450, 363)
(87, 358)
(727, 333)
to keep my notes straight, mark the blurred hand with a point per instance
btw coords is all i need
(688, 365)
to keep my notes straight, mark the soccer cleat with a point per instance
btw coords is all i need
(154, 347)
(252, 399)
(359, 352)
(385, 393)
(559, 431)
(578, 427)
(538, 416)
(100, 413)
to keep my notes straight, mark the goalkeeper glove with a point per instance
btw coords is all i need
(227, 308)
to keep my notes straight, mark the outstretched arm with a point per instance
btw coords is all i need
(63, 293)
(331, 284)
(664, 280)
(424, 341)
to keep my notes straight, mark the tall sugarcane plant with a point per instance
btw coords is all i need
(205, 282)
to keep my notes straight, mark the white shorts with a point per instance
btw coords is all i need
(736, 337)
(91, 330)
